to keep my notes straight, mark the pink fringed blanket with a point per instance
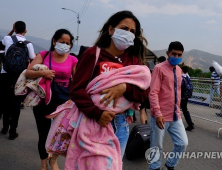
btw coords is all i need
(90, 146)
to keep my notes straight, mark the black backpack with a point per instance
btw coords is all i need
(188, 91)
(81, 51)
(17, 56)
(138, 142)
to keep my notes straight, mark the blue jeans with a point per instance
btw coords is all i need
(212, 90)
(177, 132)
(121, 130)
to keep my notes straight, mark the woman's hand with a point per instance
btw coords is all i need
(113, 93)
(49, 74)
(106, 118)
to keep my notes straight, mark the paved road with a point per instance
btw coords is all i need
(22, 153)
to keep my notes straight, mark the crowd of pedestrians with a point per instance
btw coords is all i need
(120, 46)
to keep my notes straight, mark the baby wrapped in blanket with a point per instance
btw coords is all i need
(90, 144)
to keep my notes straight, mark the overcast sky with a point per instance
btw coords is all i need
(196, 23)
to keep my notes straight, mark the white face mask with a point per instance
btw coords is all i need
(123, 39)
(62, 48)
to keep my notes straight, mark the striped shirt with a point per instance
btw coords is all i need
(215, 78)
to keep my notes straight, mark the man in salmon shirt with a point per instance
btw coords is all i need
(165, 95)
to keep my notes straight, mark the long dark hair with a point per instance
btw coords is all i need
(58, 34)
(104, 38)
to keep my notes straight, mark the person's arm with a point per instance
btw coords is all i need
(113, 93)
(212, 80)
(183, 87)
(183, 83)
(73, 71)
(78, 94)
(154, 91)
(80, 81)
(155, 87)
(31, 74)
(143, 116)
(31, 51)
(74, 63)
(135, 94)
(131, 92)
(12, 31)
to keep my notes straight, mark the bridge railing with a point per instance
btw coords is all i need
(205, 103)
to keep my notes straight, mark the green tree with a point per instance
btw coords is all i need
(197, 72)
(207, 74)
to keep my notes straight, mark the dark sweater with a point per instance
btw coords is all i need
(85, 73)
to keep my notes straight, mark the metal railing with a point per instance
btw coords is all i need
(205, 102)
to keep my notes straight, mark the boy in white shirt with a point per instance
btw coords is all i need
(11, 103)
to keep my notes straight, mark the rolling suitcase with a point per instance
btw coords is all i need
(138, 142)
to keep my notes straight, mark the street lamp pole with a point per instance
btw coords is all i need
(78, 22)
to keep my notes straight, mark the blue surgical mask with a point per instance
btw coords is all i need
(175, 61)
(123, 39)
